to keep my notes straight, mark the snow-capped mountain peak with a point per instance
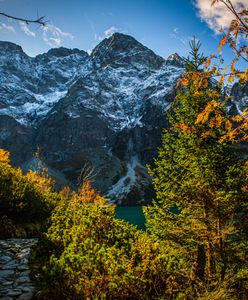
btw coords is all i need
(119, 76)
(106, 110)
(124, 49)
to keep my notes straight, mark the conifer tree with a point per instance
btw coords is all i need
(200, 184)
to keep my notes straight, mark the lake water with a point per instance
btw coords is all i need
(131, 214)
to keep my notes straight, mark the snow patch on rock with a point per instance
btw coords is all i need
(125, 183)
(27, 113)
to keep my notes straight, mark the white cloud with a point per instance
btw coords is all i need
(108, 32)
(26, 30)
(54, 36)
(217, 16)
(6, 27)
(183, 39)
(176, 30)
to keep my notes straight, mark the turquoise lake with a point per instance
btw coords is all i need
(131, 214)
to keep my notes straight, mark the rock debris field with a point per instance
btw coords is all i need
(15, 282)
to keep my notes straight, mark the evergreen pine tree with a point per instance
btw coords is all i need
(200, 184)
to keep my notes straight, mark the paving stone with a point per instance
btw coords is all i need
(5, 258)
(4, 292)
(7, 283)
(14, 292)
(4, 245)
(28, 289)
(6, 273)
(23, 267)
(10, 265)
(23, 279)
(25, 273)
(24, 261)
(15, 282)
(26, 296)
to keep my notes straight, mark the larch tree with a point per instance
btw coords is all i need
(201, 186)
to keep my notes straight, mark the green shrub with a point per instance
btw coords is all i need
(24, 199)
(88, 254)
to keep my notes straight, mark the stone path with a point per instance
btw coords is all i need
(14, 271)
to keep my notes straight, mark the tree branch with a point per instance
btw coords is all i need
(239, 55)
(232, 9)
(40, 20)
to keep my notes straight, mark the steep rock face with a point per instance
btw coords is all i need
(16, 138)
(60, 67)
(111, 118)
(105, 111)
(239, 95)
(31, 86)
(237, 104)
(71, 139)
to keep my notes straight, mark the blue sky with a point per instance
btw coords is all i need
(165, 26)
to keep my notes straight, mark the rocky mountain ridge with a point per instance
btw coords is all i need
(105, 110)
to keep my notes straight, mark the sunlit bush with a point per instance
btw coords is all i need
(87, 253)
(24, 199)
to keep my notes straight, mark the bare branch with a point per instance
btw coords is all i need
(87, 173)
(40, 20)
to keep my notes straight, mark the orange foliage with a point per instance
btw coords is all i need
(229, 129)
(41, 179)
(234, 129)
(208, 133)
(203, 117)
(4, 157)
(222, 43)
(184, 128)
(237, 118)
(218, 120)
(228, 125)
(212, 122)
(222, 79)
(89, 195)
(230, 78)
(243, 76)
